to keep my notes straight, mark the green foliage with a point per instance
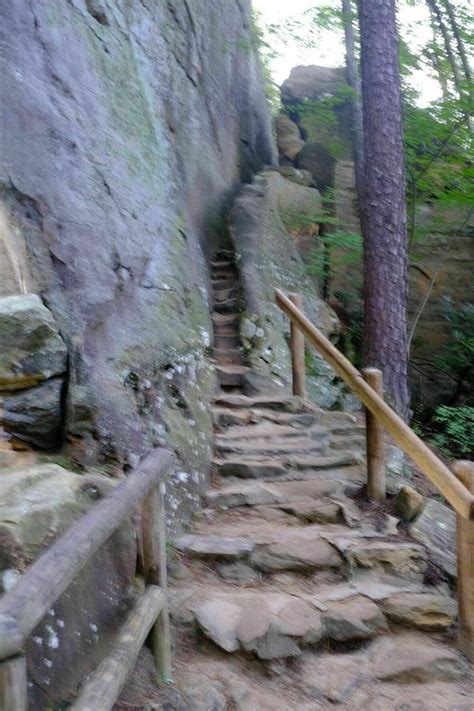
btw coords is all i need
(319, 117)
(455, 431)
(457, 355)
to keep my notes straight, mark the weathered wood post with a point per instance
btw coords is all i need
(297, 344)
(13, 688)
(376, 488)
(154, 564)
(464, 471)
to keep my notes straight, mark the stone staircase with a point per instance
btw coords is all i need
(291, 590)
(228, 351)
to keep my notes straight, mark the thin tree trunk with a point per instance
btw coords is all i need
(384, 205)
(457, 37)
(353, 81)
(432, 4)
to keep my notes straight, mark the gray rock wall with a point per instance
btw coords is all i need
(126, 128)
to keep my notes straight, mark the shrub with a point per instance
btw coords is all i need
(455, 431)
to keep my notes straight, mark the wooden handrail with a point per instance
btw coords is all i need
(452, 489)
(39, 588)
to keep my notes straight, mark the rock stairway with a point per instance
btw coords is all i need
(228, 352)
(289, 592)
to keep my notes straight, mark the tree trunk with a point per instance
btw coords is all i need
(384, 206)
(353, 81)
(432, 4)
(457, 35)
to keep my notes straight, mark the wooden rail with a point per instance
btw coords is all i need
(39, 588)
(457, 487)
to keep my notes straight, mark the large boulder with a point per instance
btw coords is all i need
(316, 159)
(32, 349)
(37, 506)
(289, 141)
(34, 415)
(311, 82)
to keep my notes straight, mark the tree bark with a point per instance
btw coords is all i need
(384, 202)
(353, 81)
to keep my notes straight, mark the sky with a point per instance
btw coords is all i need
(330, 51)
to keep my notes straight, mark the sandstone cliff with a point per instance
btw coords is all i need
(126, 128)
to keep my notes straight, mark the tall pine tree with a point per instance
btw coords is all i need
(384, 206)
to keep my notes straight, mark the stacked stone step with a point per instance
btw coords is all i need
(228, 352)
(283, 562)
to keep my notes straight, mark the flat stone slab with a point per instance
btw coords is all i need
(322, 462)
(355, 618)
(265, 430)
(396, 559)
(422, 611)
(297, 554)
(256, 493)
(249, 469)
(410, 659)
(215, 546)
(271, 625)
(288, 404)
(267, 447)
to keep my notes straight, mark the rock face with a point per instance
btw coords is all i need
(38, 505)
(142, 120)
(436, 528)
(269, 259)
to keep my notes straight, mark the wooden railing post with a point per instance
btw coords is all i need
(297, 351)
(376, 488)
(154, 563)
(13, 689)
(464, 471)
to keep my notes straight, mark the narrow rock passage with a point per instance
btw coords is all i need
(287, 592)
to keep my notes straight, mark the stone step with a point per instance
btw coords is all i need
(215, 547)
(227, 255)
(277, 625)
(267, 430)
(249, 469)
(343, 443)
(275, 402)
(348, 430)
(330, 461)
(256, 493)
(223, 284)
(233, 356)
(223, 296)
(227, 341)
(224, 319)
(229, 306)
(277, 448)
(222, 263)
(225, 417)
(260, 467)
(231, 375)
(219, 274)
